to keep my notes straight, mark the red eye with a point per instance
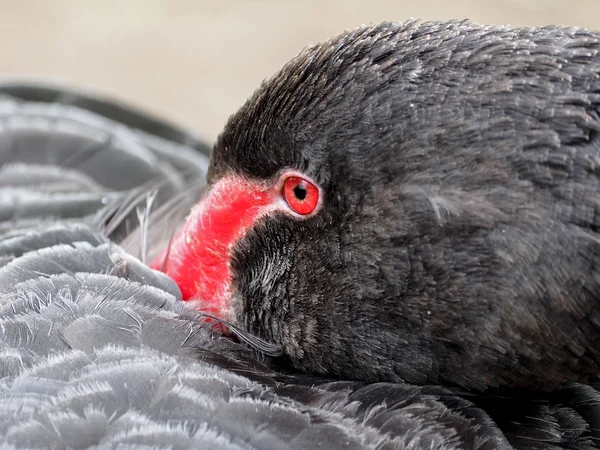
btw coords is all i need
(301, 195)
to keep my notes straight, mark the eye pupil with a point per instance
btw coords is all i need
(300, 192)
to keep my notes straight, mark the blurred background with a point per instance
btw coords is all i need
(196, 61)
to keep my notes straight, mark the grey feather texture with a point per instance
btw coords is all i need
(59, 161)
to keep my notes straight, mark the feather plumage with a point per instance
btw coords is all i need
(97, 350)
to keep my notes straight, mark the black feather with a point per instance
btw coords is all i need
(459, 235)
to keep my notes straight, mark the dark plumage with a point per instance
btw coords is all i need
(458, 237)
(97, 350)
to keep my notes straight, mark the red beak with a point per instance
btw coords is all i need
(199, 255)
